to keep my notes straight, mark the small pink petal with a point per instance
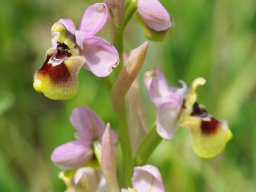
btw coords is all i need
(87, 123)
(159, 91)
(154, 14)
(156, 85)
(147, 178)
(166, 123)
(101, 57)
(72, 155)
(69, 25)
(94, 18)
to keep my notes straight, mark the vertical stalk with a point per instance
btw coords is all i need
(118, 43)
(125, 146)
(121, 109)
(121, 112)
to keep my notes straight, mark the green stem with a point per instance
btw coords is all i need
(147, 147)
(126, 148)
(121, 110)
(122, 115)
(131, 7)
(118, 43)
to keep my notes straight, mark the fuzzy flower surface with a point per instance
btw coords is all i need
(178, 107)
(77, 153)
(73, 49)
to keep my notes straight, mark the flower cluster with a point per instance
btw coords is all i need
(89, 162)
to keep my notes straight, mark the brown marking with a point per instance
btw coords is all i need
(209, 127)
(57, 73)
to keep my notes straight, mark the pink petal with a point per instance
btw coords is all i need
(159, 91)
(72, 155)
(69, 25)
(166, 123)
(156, 85)
(94, 18)
(147, 178)
(101, 57)
(80, 38)
(87, 123)
(154, 14)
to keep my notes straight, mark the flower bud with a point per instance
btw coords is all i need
(128, 73)
(108, 160)
(154, 15)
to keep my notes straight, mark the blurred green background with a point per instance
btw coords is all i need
(214, 39)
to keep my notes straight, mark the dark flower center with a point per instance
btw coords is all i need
(199, 111)
(62, 51)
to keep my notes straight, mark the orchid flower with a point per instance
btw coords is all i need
(72, 49)
(75, 154)
(145, 179)
(179, 107)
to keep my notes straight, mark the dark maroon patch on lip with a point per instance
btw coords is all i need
(208, 127)
(58, 73)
